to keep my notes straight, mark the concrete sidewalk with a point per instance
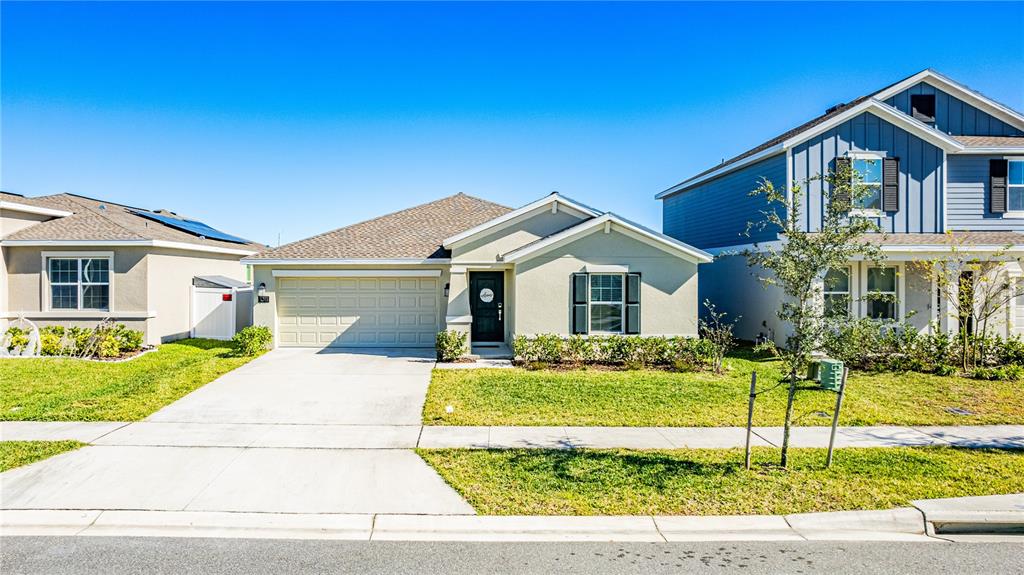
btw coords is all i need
(341, 436)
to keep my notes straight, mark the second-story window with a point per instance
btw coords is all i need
(867, 174)
(1015, 185)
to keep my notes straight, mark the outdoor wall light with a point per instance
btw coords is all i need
(261, 293)
(446, 289)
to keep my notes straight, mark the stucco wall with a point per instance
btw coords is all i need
(170, 287)
(542, 285)
(540, 224)
(11, 222)
(265, 314)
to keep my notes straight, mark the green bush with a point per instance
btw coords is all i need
(450, 345)
(127, 339)
(18, 338)
(252, 340)
(631, 351)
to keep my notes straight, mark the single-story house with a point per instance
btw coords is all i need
(70, 260)
(466, 264)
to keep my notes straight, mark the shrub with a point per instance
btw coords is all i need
(252, 340)
(450, 345)
(631, 351)
(107, 344)
(127, 339)
(548, 348)
(578, 350)
(18, 338)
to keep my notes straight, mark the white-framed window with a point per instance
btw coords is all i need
(79, 283)
(882, 293)
(607, 303)
(1015, 185)
(867, 175)
(836, 290)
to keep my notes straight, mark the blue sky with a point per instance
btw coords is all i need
(293, 119)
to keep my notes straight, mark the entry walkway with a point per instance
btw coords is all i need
(342, 436)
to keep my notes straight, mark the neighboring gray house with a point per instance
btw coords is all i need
(71, 260)
(466, 264)
(943, 158)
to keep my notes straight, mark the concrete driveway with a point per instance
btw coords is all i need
(295, 431)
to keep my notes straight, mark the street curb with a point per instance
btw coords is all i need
(888, 525)
(985, 515)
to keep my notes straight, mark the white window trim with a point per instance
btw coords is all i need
(80, 255)
(900, 288)
(1018, 214)
(825, 291)
(621, 303)
(860, 155)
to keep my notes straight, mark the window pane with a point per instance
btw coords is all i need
(95, 297)
(96, 271)
(881, 309)
(63, 271)
(1017, 173)
(882, 279)
(606, 287)
(63, 297)
(837, 305)
(871, 198)
(1016, 199)
(606, 317)
(837, 280)
(870, 171)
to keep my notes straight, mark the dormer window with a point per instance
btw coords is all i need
(922, 107)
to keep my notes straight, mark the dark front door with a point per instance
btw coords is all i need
(487, 303)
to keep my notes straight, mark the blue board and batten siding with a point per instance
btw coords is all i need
(954, 116)
(715, 213)
(920, 176)
(968, 203)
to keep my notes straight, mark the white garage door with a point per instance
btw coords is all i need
(364, 311)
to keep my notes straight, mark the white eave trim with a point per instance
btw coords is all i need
(345, 262)
(127, 243)
(962, 92)
(637, 231)
(18, 207)
(78, 314)
(992, 151)
(553, 200)
(354, 273)
(753, 159)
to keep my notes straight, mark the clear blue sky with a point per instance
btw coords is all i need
(298, 118)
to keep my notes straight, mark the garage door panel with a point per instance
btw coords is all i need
(358, 311)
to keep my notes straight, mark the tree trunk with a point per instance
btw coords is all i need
(789, 418)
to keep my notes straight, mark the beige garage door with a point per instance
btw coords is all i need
(364, 311)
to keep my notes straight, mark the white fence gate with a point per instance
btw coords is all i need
(213, 312)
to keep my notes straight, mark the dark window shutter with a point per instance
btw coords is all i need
(579, 303)
(922, 107)
(891, 185)
(997, 185)
(632, 303)
(842, 194)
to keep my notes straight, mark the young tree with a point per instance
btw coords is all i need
(718, 331)
(980, 288)
(798, 263)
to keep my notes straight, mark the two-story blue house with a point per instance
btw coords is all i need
(941, 157)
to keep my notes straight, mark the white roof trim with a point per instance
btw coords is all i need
(753, 159)
(993, 150)
(517, 214)
(316, 262)
(936, 80)
(18, 207)
(128, 243)
(643, 234)
(353, 273)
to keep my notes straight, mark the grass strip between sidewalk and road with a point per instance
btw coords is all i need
(63, 389)
(600, 397)
(713, 481)
(17, 453)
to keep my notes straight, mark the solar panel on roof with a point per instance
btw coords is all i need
(192, 227)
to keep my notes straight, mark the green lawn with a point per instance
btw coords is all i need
(664, 398)
(58, 389)
(713, 481)
(17, 453)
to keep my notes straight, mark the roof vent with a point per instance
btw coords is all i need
(834, 108)
(103, 206)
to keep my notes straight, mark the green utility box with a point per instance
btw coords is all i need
(830, 374)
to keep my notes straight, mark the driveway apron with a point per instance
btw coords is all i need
(295, 431)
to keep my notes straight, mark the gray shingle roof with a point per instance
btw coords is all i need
(991, 141)
(994, 238)
(413, 233)
(96, 220)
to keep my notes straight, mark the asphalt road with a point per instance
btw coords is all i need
(80, 555)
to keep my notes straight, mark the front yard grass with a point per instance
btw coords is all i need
(713, 481)
(17, 453)
(702, 399)
(60, 389)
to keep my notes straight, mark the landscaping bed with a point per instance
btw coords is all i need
(605, 397)
(63, 389)
(713, 481)
(17, 453)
